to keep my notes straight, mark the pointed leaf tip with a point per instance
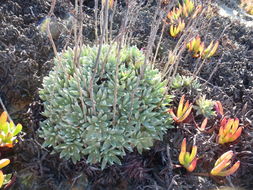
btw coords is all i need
(1, 178)
(3, 117)
(4, 162)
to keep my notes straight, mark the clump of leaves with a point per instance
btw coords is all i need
(185, 81)
(187, 159)
(199, 50)
(183, 111)
(4, 179)
(229, 130)
(178, 15)
(222, 164)
(205, 107)
(176, 29)
(8, 137)
(119, 113)
(8, 131)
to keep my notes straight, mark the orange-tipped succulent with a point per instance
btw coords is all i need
(183, 111)
(229, 130)
(8, 131)
(3, 163)
(176, 29)
(222, 164)
(187, 7)
(183, 11)
(196, 46)
(210, 50)
(174, 14)
(199, 50)
(189, 161)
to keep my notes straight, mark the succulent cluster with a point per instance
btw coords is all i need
(188, 160)
(75, 129)
(205, 107)
(8, 137)
(179, 15)
(180, 81)
(4, 178)
(8, 131)
(183, 111)
(229, 131)
(199, 50)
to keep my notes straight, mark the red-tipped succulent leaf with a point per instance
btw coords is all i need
(229, 130)
(221, 165)
(188, 160)
(183, 110)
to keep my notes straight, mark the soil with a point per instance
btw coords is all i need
(26, 57)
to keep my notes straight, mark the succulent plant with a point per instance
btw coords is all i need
(198, 48)
(8, 131)
(205, 107)
(187, 159)
(4, 179)
(176, 29)
(185, 81)
(183, 111)
(75, 129)
(177, 16)
(222, 164)
(229, 130)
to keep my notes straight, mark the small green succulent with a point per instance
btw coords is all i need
(185, 81)
(205, 107)
(74, 129)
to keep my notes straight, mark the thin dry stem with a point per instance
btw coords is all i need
(76, 37)
(133, 15)
(51, 11)
(158, 45)
(111, 19)
(96, 20)
(4, 108)
(180, 47)
(213, 71)
(78, 45)
(158, 13)
(97, 58)
(115, 99)
(54, 47)
(120, 39)
(51, 39)
(200, 67)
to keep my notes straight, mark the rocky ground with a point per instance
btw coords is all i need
(26, 57)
